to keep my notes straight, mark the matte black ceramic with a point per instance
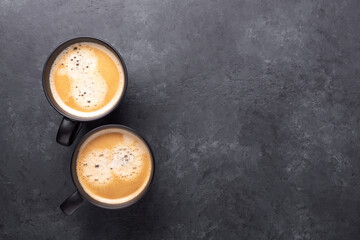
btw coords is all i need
(74, 201)
(71, 124)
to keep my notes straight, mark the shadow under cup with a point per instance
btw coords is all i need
(71, 123)
(74, 201)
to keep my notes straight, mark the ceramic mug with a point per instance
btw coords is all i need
(71, 124)
(82, 193)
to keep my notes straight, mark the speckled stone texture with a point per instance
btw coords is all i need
(251, 107)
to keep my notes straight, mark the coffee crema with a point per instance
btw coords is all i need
(87, 79)
(114, 166)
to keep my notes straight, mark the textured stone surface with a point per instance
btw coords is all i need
(251, 107)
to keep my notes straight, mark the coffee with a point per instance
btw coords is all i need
(114, 166)
(87, 79)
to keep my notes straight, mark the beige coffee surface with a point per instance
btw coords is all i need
(114, 166)
(86, 79)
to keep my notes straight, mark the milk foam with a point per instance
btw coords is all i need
(96, 167)
(99, 166)
(88, 87)
(125, 161)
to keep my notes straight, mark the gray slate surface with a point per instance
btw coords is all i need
(251, 107)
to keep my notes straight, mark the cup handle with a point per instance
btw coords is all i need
(72, 203)
(67, 131)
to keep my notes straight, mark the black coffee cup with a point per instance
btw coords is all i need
(74, 201)
(71, 124)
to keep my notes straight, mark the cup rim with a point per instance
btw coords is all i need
(77, 40)
(80, 189)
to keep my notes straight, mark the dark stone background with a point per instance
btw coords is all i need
(251, 107)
